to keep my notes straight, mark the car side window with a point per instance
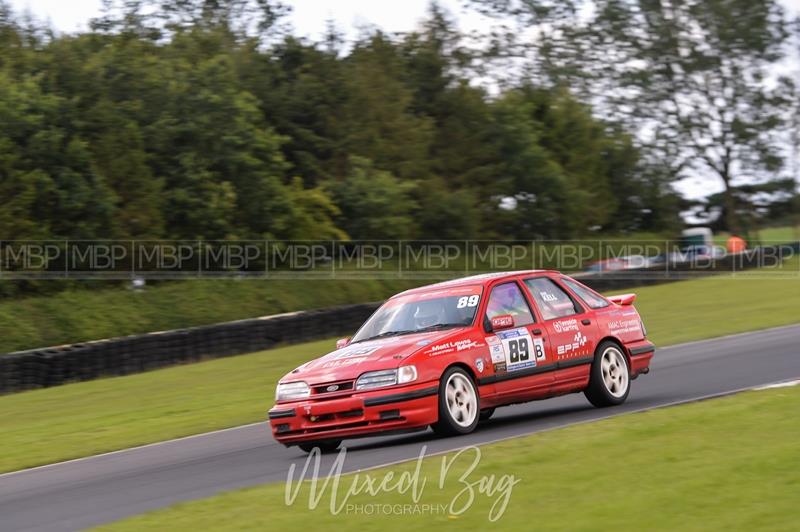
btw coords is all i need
(507, 298)
(553, 302)
(587, 295)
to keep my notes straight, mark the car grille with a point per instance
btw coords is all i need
(333, 387)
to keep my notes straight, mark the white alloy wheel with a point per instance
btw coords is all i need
(462, 402)
(615, 372)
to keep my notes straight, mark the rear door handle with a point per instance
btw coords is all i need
(586, 321)
(537, 332)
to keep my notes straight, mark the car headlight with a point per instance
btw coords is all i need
(406, 374)
(386, 377)
(292, 390)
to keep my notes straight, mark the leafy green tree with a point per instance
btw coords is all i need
(378, 120)
(448, 214)
(203, 119)
(302, 93)
(313, 214)
(531, 198)
(119, 156)
(563, 173)
(437, 63)
(374, 203)
(46, 178)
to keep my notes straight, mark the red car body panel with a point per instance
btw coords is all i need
(562, 363)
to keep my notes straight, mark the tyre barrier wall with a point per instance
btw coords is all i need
(53, 366)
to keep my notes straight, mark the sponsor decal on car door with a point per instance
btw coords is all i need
(570, 330)
(518, 354)
(572, 338)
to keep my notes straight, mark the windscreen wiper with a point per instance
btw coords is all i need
(435, 327)
(439, 326)
(385, 335)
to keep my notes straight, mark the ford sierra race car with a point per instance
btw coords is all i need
(447, 355)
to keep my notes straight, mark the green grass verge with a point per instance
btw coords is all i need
(767, 235)
(779, 235)
(716, 306)
(88, 418)
(715, 465)
(81, 315)
(81, 419)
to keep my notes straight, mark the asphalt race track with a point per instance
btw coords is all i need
(100, 489)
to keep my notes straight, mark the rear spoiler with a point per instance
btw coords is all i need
(623, 299)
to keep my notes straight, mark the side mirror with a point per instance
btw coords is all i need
(342, 342)
(504, 321)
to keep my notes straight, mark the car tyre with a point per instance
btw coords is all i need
(459, 403)
(610, 378)
(486, 414)
(327, 446)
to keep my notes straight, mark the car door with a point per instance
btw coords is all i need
(570, 329)
(522, 367)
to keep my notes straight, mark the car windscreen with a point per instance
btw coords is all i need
(420, 311)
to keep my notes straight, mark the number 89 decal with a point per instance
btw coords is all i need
(518, 351)
(521, 350)
(468, 301)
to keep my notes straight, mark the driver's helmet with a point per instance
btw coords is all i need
(428, 315)
(504, 298)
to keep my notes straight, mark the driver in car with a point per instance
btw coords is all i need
(507, 299)
(428, 315)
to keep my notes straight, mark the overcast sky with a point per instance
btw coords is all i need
(309, 18)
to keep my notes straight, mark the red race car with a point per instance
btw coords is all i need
(448, 354)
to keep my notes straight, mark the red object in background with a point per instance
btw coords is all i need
(736, 244)
(448, 354)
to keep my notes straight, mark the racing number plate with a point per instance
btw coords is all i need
(521, 351)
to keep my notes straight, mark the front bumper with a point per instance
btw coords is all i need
(361, 414)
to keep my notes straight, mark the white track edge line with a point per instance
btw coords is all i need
(129, 449)
(727, 337)
(784, 384)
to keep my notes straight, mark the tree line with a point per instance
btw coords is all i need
(708, 87)
(206, 119)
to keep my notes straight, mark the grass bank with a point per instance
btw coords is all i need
(81, 315)
(716, 306)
